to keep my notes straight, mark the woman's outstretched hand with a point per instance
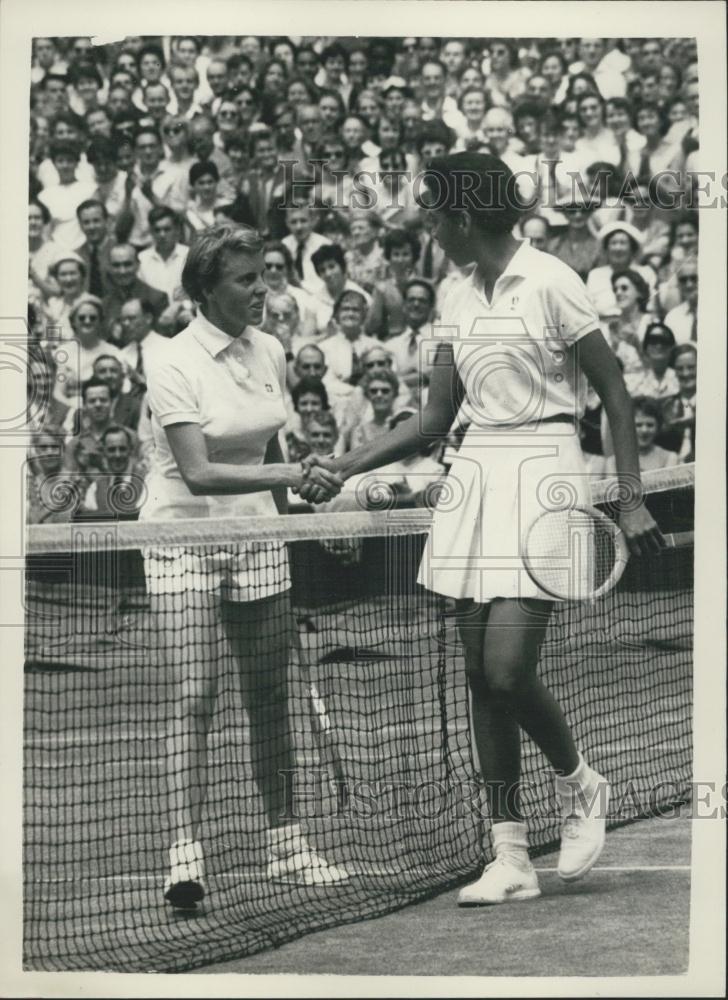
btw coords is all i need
(319, 479)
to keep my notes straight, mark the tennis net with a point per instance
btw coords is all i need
(372, 742)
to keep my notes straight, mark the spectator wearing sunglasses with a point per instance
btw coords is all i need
(683, 319)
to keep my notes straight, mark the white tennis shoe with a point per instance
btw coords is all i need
(185, 885)
(583, 833)
(505, 880)
(293, 861)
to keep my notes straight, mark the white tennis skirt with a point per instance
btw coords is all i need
(499, 483)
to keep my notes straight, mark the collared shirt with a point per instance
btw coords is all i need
(520, 340)
(682, 322)
(406, 349)
(234, 389)
(164, 274)
(153, 350)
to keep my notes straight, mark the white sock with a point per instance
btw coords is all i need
(578, 790)
(511, 839)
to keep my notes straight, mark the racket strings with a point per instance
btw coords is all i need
(571, 553)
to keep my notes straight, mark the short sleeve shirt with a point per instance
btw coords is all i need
(234, 389)
(514, 354)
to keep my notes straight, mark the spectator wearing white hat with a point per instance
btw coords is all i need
(620, 242)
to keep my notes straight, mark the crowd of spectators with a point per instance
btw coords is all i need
(136, 147)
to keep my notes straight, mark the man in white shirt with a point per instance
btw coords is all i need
(683, 319)
(145, 349)
(499, 130)
(409, 348)
(436, 104)
(120, 489)
(184, 81)
(330, 264)
(345, 348)
(604, 66)
(155, 184)
(161, 265)
(302, 242)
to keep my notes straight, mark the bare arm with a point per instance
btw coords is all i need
(205, 478)
(274, 456)
(599, 364)
(432, 422)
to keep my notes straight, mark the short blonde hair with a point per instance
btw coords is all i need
(204, 261)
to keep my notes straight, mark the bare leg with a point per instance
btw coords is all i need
(502, 643)
(261, 635)
(190, 630)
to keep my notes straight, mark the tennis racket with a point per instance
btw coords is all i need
(321, 727)
(578, 553)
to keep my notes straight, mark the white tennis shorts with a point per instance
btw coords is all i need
(239, 572)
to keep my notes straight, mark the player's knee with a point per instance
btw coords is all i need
(505, 681)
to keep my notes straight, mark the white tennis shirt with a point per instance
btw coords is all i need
(233, 388)
(513, 353)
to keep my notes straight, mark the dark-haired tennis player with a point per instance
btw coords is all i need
(217, 406)
(521, 339)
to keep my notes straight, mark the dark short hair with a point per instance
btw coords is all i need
(421, 283)
(93, 383)
(151, 50)
(160, 212)
(236, 60)
(398, 238)
(118, 429)
(435, 131)
(262, 135)
(92, 203)
(205, 169)
(325, 419)
(50, 77)
(107, 357)
(309, 383)
(148, 130)
(528, 109)
(636, 279)
(145, 305)
(490, 195)
(85, 71)
(650, 407)
(331, 251)
(64, 148)
(334, 51)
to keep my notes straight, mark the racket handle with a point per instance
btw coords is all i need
(679, 540)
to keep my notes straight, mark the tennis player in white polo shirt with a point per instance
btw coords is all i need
(519, 338)
(217, 405)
